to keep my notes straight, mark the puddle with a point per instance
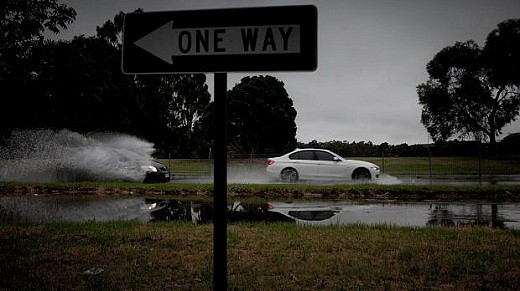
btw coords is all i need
(52, 209)
(37, 209)
(406, 214)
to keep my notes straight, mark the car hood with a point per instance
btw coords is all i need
(362, 163)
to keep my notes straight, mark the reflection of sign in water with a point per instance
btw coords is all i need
(203, 212)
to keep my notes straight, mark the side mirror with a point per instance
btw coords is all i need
(336, 159)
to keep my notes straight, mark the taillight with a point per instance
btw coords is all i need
(270, 162)
(270, 207)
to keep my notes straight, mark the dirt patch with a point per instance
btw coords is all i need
(379, 194)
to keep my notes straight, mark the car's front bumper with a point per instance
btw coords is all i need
(157, 177)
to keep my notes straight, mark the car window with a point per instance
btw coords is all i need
(303, 155)
(324, 156)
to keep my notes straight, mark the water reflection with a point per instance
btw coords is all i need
(49, 209)
(402, 214)
(467, 215)
(202, 212)
(36, 209)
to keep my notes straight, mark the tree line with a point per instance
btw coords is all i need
(509, 147)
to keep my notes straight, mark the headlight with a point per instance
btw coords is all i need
(375, 168)
(151, 169)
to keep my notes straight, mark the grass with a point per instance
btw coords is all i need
(177, 256)
(257, 192)
(446, 166)
(189, 166)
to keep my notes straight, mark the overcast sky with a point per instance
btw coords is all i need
(371, 56)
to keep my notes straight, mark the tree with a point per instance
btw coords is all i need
(261, 116)
(153, 96)
(510, 145)
(189, 100)
(473, 91)
(23, 23)
(78, 85)
(21, 30)
(173, 104)
(112, 30)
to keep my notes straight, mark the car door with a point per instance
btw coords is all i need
(305, 163)
(328, 167)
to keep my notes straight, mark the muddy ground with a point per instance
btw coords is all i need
(383, 193)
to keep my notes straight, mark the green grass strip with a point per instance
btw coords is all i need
(178, 256)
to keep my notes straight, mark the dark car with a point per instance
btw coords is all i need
(156, 173)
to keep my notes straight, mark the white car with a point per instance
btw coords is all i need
(304, 164)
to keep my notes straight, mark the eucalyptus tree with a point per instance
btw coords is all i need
(474, 91)
(261, 116)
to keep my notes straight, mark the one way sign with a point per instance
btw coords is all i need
(222, 40)
(273, 39)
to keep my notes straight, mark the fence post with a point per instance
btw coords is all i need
(209, 162)
(430, 166)
(479, 165)
(169, 161)
(383, 156)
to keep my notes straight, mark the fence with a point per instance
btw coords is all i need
(204, 167)
(406, 168)
(455, 168)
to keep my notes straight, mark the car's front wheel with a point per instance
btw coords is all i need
(361, 174)
(289, 175)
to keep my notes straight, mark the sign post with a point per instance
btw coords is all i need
(220, 185)
(280, 38)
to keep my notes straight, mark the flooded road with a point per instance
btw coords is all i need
(37, 209)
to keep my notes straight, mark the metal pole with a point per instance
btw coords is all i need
(479, 164)
(430, 155)
(220, 185)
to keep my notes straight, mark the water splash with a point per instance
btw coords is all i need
(45, 155)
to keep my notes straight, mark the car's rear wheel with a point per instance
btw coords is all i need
(289, 175)
(361, 174)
